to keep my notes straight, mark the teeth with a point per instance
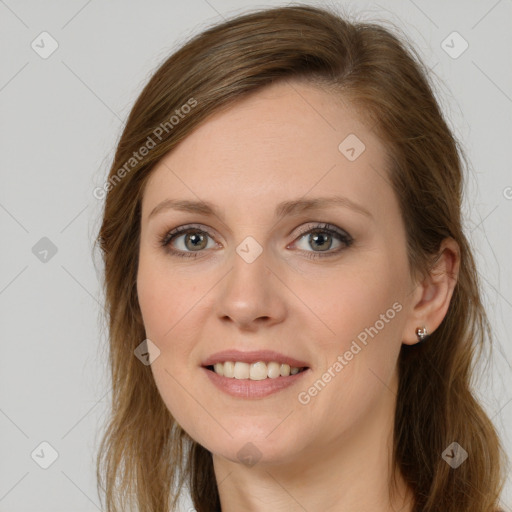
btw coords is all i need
(258, 371)
(229, 369)
(241, 370)
(254, 371)
(273, 370)
(284, 370)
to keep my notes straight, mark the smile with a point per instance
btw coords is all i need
(255, 374)
(259, 370)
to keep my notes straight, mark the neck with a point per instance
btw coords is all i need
(354, 474)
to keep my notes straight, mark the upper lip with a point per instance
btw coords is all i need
(252, 357)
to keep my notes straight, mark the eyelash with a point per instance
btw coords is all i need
(342, 236)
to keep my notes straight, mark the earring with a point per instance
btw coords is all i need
(422, 334)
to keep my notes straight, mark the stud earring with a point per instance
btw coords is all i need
(422, 334)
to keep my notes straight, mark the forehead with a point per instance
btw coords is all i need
(285, 141)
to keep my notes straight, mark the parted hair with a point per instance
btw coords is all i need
(145, 458)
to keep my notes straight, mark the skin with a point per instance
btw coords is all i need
(281, 143)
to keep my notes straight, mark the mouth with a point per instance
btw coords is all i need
(253, 374)
(259, 370)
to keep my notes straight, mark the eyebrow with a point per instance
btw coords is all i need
(293, 207)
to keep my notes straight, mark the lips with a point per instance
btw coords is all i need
(248, 376)
(262, 365)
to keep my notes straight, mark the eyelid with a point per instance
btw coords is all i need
(322, 226)
(341, 235)
(169, 234)
(344, 237)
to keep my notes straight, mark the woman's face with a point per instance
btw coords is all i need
(255, 289)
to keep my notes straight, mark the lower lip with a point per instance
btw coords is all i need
(246, 388)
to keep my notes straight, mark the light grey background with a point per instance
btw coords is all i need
(60, 120)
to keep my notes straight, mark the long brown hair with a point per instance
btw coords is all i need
(145, 458)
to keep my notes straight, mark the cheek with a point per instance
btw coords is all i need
(163, 305)
(361, 303)
(162, 298)
(169, 312)
(365, 311)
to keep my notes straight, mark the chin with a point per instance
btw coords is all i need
(257, 442)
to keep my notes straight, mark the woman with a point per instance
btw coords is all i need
(294, 309)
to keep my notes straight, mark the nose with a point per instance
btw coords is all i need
(251, 295)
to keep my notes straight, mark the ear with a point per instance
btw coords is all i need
(432, 295)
